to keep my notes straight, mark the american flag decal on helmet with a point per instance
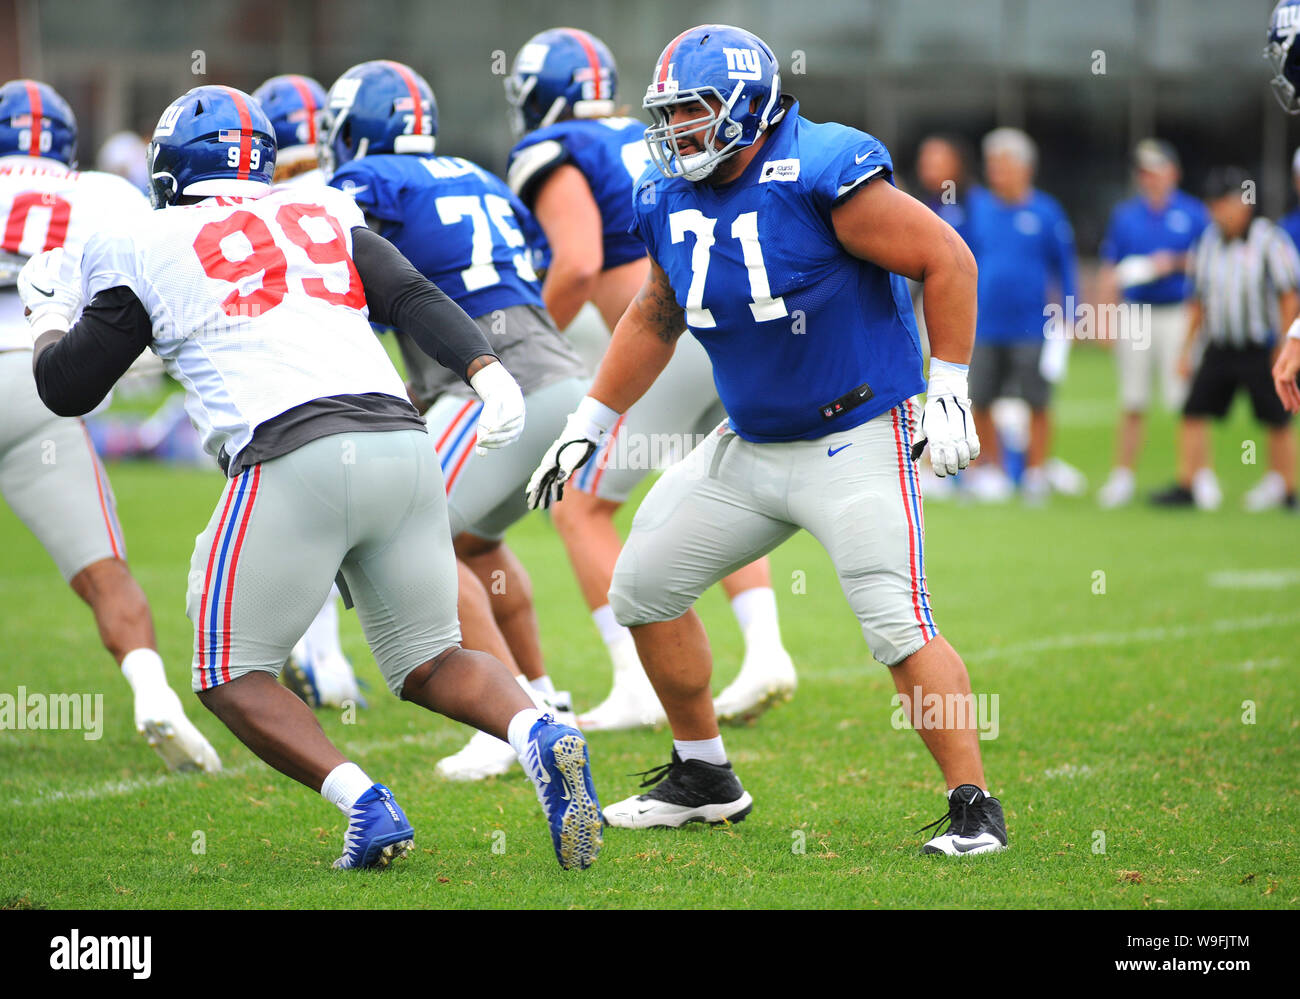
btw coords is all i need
(229, 135)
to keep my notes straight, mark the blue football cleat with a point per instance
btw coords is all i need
(378, 832)
(556, 759)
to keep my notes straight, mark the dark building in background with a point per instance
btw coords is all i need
(1086, 80)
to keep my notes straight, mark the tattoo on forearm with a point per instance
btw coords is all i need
(660, 308)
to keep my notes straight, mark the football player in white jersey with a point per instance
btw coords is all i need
(317, 670)
(258, 301)
(49, 472)
(575, 168)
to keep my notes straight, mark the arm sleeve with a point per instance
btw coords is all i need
(400, 296)
(74, 371)
(850, 160)
(532, 164)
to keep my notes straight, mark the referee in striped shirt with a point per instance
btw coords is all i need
(1244, 272)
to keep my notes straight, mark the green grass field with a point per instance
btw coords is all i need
(1159, 720)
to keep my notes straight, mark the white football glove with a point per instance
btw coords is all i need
(50, 287)
(502, 418)
(583, 431)
(946, 421)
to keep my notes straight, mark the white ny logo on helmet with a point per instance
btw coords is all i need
(743, 64)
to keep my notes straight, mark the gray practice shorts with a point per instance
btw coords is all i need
(485, 492)
(731, 501)
(678, 412)
(51, 476)
(1010, 370)
(371, 504)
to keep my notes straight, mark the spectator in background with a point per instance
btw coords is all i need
(943, 175)
(1144, 257)
(125, 154)
(1244, 273)
(1025, 249)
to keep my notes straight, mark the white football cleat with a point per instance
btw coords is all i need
(1205, 490)
(1268, 494)
(1065, 478)
(1035, 487)
(160, 718)
(766, 678)
(989, 484)
(632, 703)
(1118, 490)
(483, 756)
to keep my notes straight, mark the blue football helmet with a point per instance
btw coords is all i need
(294, 105)
(213, 140)
(36, 121)
(560, 73)
(1284, 55)
(378, 107)
(733, 67)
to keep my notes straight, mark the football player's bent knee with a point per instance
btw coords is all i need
(645, 593)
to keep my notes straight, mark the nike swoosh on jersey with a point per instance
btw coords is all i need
(832, 452)
(859, 159)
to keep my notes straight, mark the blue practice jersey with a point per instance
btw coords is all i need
(1023, 250)
(1136, 229)
(458, 224)
(805, 339)
(610, 152)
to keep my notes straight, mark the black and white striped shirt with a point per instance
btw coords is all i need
(1238, 281)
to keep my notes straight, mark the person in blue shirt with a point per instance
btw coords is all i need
(943, 175)
(1025, 248)
(575, 166)
(1144, 254)
(784, 247)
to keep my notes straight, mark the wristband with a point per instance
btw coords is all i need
(1294, 332)
(597, 417)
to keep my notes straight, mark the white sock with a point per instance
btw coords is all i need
(520, 725)
(708, 750)
(345, 784)
(143, 669)
(543, 685)
(323, 633)
(1121, 473)
(610, 630)
(755, 612)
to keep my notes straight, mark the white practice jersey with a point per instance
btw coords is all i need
(256, 305)
(44, 205)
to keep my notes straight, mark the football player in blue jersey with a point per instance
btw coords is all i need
(295, 105)
(1284, 56)
(462, 228)
(575, 166)
(1145, 257)
(784, 246)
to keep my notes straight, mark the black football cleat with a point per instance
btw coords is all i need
(974, 825)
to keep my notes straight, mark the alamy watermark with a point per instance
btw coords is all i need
(934, 711)
(74, 712)
(1123, 321)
